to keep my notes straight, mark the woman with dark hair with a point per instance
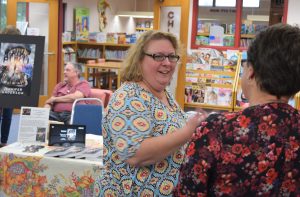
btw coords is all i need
(6, 113)
(254, 152)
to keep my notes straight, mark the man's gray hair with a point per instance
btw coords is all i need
(77, 66)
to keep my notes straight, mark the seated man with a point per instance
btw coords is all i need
(66, 92)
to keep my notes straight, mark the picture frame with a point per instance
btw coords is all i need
(21, 60)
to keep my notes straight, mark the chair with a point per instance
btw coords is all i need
(104, 95)
(88, 114)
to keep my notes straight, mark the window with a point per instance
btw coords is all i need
(233, 23)
(3, 19)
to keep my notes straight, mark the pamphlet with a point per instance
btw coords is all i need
(33, 126)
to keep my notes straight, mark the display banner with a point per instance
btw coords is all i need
(170, 19)
(21, 60)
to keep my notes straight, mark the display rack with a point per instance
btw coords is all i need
(210, 79)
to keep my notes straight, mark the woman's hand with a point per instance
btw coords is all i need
(195, 119)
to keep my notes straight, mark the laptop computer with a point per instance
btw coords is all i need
(67, 135)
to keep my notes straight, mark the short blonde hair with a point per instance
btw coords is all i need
(131, 70)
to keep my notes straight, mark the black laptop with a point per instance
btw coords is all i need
(67, 135)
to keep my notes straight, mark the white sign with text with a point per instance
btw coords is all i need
(170, 19)
(33, 126)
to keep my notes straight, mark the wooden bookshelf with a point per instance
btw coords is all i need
(111, 52)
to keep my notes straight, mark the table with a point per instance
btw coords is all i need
(104, 65)
(32, 174)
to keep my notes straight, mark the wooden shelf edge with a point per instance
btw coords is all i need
(207, 106)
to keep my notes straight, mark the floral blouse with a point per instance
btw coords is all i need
(134, 114)
(255, 152)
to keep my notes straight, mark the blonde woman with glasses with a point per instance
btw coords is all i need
(144, 129)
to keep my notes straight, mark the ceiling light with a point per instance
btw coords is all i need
(135, 14)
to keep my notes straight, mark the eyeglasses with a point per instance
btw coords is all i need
(159, 57)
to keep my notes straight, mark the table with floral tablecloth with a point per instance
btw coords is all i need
(32, 174)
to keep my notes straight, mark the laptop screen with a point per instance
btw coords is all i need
(66, 135)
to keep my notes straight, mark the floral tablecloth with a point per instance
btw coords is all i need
(32, 174)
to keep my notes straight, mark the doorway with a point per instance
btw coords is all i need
(42, 16)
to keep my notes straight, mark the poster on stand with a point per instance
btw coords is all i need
(21, 59)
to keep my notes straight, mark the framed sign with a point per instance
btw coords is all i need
(170, 19)
(21, 60)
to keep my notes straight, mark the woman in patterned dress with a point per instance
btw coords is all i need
(256, 151)
(144, 129)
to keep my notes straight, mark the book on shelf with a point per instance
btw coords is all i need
(89, 53)
(195, 93)
(81, 23)
(68, 49)
(112, 38)
(121, 38)
(202, 40)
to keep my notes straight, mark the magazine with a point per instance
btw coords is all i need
(90, 153)
(58, 151)
(76, 152)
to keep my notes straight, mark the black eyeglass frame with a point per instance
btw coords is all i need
(156, 57)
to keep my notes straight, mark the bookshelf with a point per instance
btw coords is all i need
(85, 51)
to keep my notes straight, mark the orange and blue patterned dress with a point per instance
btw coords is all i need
(133, 115)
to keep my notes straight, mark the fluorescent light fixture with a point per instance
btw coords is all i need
(207, 19)
(232, 3)
(135, 14)
(251, 3)
(225, 3)
(205, 3)
(264, 18)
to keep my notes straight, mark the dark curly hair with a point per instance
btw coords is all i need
(275, 58)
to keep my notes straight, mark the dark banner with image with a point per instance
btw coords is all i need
(21, 60)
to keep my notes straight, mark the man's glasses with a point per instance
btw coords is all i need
(159, 57)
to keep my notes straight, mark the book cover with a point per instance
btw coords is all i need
(211, 96)
(81, 23)
(122, 38)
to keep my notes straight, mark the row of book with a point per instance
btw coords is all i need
(201, 94)
(205, 27)
(212, 59)
(115, 54)
(228, 40)
(246, 28)
(209, 79)
(70, 57)
(245, 42)
(69, 54)
(144, 24)
(101, 37)
(89, 53)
